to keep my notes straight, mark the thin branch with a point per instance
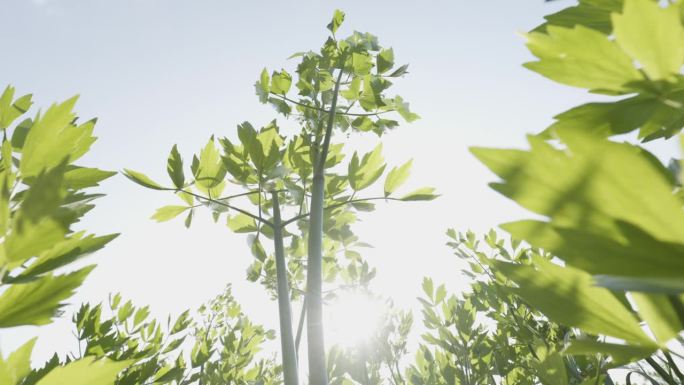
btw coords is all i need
(220, 203)
(334, 206)
(347, 113)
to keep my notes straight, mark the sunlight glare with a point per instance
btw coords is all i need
(352, 319)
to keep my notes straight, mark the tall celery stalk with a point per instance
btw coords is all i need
(314, 278)
(287, 343)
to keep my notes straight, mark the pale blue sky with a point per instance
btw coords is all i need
(159, 72)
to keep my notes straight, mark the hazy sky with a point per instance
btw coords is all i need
(159, 72)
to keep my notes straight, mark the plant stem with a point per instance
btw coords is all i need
(318, 374)
(673, 365)
(287, 344)
(300, 326)
(661, 372)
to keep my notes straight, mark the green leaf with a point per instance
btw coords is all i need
(337, 19)
(188, 219)
(44, 196)
(401, 71)
(655, 116)
(403, 110)
(666, 285)
(567, 295)
(281, 82)
(65, 252)
(37, 302)
(174, 167)
(354, 91)
(11, 109)
(86, 371)
(660, 315)
(621, 354)
(578, 187)
(167, 213)
(31, 240)
(210, 174)
(397, 177)
(428, 287)
(651, 35)
(82, 177)
(422, 194)
(581, 57)
(385, 60)
(363, 173)
(54, 138)
(593, 14)
(263, 86)
(142, 179)
(241, 223)
(550, 367)
(361, 64)
(631, 253)
(18, 364)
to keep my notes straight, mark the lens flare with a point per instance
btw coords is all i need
(352, 319)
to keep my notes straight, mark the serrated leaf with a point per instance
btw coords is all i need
(10, 108)
(263, 86)
(54, 138)
(385, 60)
(581, 57)
(18, 364)
(280, 82)
(174, 167)
(337, 20)
(82, 177)
(651, 35)
(37, 302)
(86, 371)
(567, 295)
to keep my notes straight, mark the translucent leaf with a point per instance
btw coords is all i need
(142, 179)
(385, 60)
(174, 167)
(54, 138)
(167, 213)
(567, 295)
(83, 177)
(65, 252)
(36, 302)
(17, 365)
(396, 177)
(241, 223)
(10, 108)
(652, 35)
(281, 82)
(263, 87)
(337, 19)
(422, 194)
(621, 354)
(364, 172)
(86, 371)
(581, 57)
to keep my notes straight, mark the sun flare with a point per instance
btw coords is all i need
(352, 319)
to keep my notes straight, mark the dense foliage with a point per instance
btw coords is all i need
(594, 283)
(306, 176)
(43, 193)
(612, 213)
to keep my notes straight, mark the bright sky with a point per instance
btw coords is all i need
(160, 72)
